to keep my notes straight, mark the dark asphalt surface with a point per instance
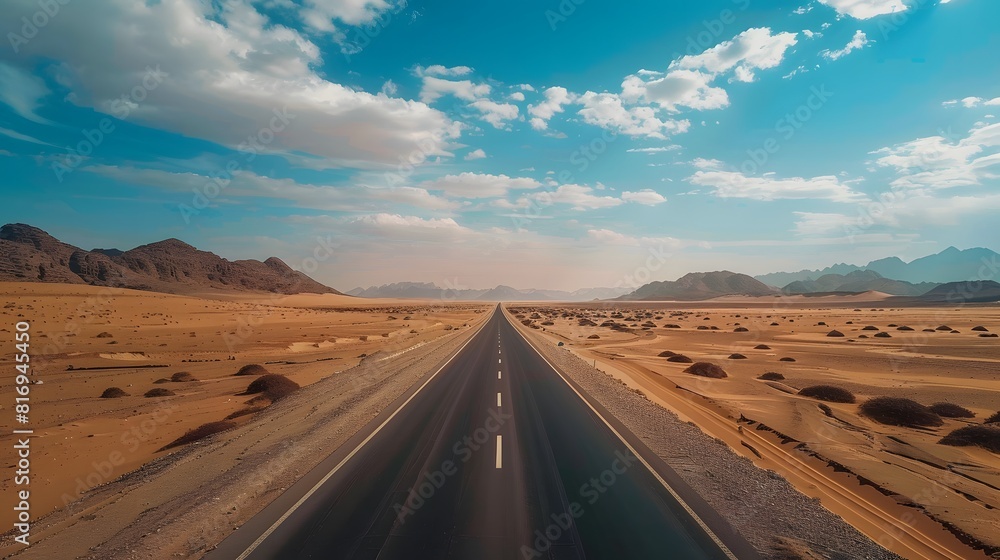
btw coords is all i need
(431, 484)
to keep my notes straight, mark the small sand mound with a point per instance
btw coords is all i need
(706, 369)
(737, 357)
(667, 354)
(182, 377)
(896, 411)
(200, 432)
(772, 376)
(987, 437)
(762, 347)
(951, 410)
(835, 334)
(253, 369)
(273, 386)
(159, 392)
(786, 359)
(113, 393)
(680, 359)
(828, 393)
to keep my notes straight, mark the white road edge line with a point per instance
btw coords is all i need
(676, 496)
(499, 452)
(253, 546)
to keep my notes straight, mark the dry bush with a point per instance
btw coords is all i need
(200, 432)
(113, 393)
(987, 437)
(772, 376)
(159, 392)
(896, 411)
(828, 393)
(273, 386)
(951, 410)
(706, 369)
(253, 369)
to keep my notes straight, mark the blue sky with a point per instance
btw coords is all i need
(533, 143)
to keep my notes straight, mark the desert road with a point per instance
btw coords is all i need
(493, 456)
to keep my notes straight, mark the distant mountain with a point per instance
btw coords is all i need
(858, 281)
(702, 285)
(426, 290)
(950, 265)
(954, 293)
(28, 254)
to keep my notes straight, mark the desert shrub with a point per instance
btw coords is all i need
(667, 354)
(945, 328)
(988, 335)
(896, 411)
(835, 334)
(672, 326)
(951, 410)
(828, 393)
(253, 369)
(987, 437)
(980, 328)
(870, 328)
(680, 359)
(772, 376)
(273, 386)
(737, 357)
(786, 359)
(762, 347)
(741, 329)
(159, 392)
(161, 381)
(706, 369)
(201, 432)
(182, 377)
(113, 393)
(594, 336)
(995, 419)
(904, 328)
(883, 335)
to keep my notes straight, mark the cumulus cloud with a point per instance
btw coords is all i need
(938, 162)
(497, 114)
(865, 9)
(475, 154)
(555, 99)
(435, 88)
(226, 79)
(688, 82)
(646, 197)
(608, 111)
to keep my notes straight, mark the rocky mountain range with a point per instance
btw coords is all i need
(28, 254)
(858, 281)
(950, 265)
(702, 285)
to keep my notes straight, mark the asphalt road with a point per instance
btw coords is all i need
(495, 456)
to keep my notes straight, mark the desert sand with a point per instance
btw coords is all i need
(897, 485)
(88, 339)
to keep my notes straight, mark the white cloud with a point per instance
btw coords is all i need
(516, 96)
(475, 154)
(732, 184)
(688, 81)
(321, 14)
(406, 228)
(555, 98)
(702, 163)
(865, 9)
(972, 102)
(937, 162)
(646, 197)
(225, 69)
(22, 92)
(607, 111)
(859, 41)
(497, 114)
(479, 185)
(434, 88)
(439, 70)
(578, 197)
